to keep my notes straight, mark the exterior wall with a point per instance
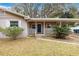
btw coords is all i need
(24, 25)
(6, 23)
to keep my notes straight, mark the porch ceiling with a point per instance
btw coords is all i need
(53, 20)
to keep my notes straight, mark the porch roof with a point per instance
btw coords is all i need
(53, 19)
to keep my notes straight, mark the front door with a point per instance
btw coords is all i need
(39, 28)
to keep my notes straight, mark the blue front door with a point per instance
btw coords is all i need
(38, 28)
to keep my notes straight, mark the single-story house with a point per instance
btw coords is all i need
(31, 26)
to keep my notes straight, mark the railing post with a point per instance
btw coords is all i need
(44, 28)
(35, 28)
(60, 24)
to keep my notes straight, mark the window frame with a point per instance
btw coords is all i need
(16, 23)
(48, 25)
(32, 26)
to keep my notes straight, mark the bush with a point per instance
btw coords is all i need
(13, 32)
(61, 32)
(1, 29)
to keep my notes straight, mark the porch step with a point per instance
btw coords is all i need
(39, 35)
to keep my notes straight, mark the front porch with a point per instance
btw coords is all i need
(43, 28)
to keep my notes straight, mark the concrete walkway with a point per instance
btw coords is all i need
(59, 41)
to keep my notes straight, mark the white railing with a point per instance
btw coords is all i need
(31, 31)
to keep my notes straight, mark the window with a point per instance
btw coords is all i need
(48, 26)
(33, 26)
(14, 23)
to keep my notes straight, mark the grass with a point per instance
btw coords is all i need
(32, 47)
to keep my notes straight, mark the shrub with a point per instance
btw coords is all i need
(13, 32)
(1, 29)
(61, 32)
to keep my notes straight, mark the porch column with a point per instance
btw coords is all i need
(67, 25)
(35, 28)
(60, 24)
(44, 28)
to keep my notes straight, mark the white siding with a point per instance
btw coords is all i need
(24, 26)
(6, 23)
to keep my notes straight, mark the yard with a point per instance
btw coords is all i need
(33, 47)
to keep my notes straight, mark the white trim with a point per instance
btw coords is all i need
(60, 24)
(44, 27)
(48, 24)
(7, 23)
(19, 23)
(35, 28)
(32, 25)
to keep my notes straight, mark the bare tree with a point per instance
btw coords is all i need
(43, 10)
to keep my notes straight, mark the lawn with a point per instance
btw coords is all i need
(33, 47)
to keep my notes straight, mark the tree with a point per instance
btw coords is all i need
(27, 9)
(12, 32)
(52, 9)
(44, 10)
(39, 9)
(67, 15)
(73, 10)
(61, 32)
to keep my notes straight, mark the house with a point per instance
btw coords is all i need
(31, 26)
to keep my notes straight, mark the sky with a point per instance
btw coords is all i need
(6, 5)
(9, 5)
